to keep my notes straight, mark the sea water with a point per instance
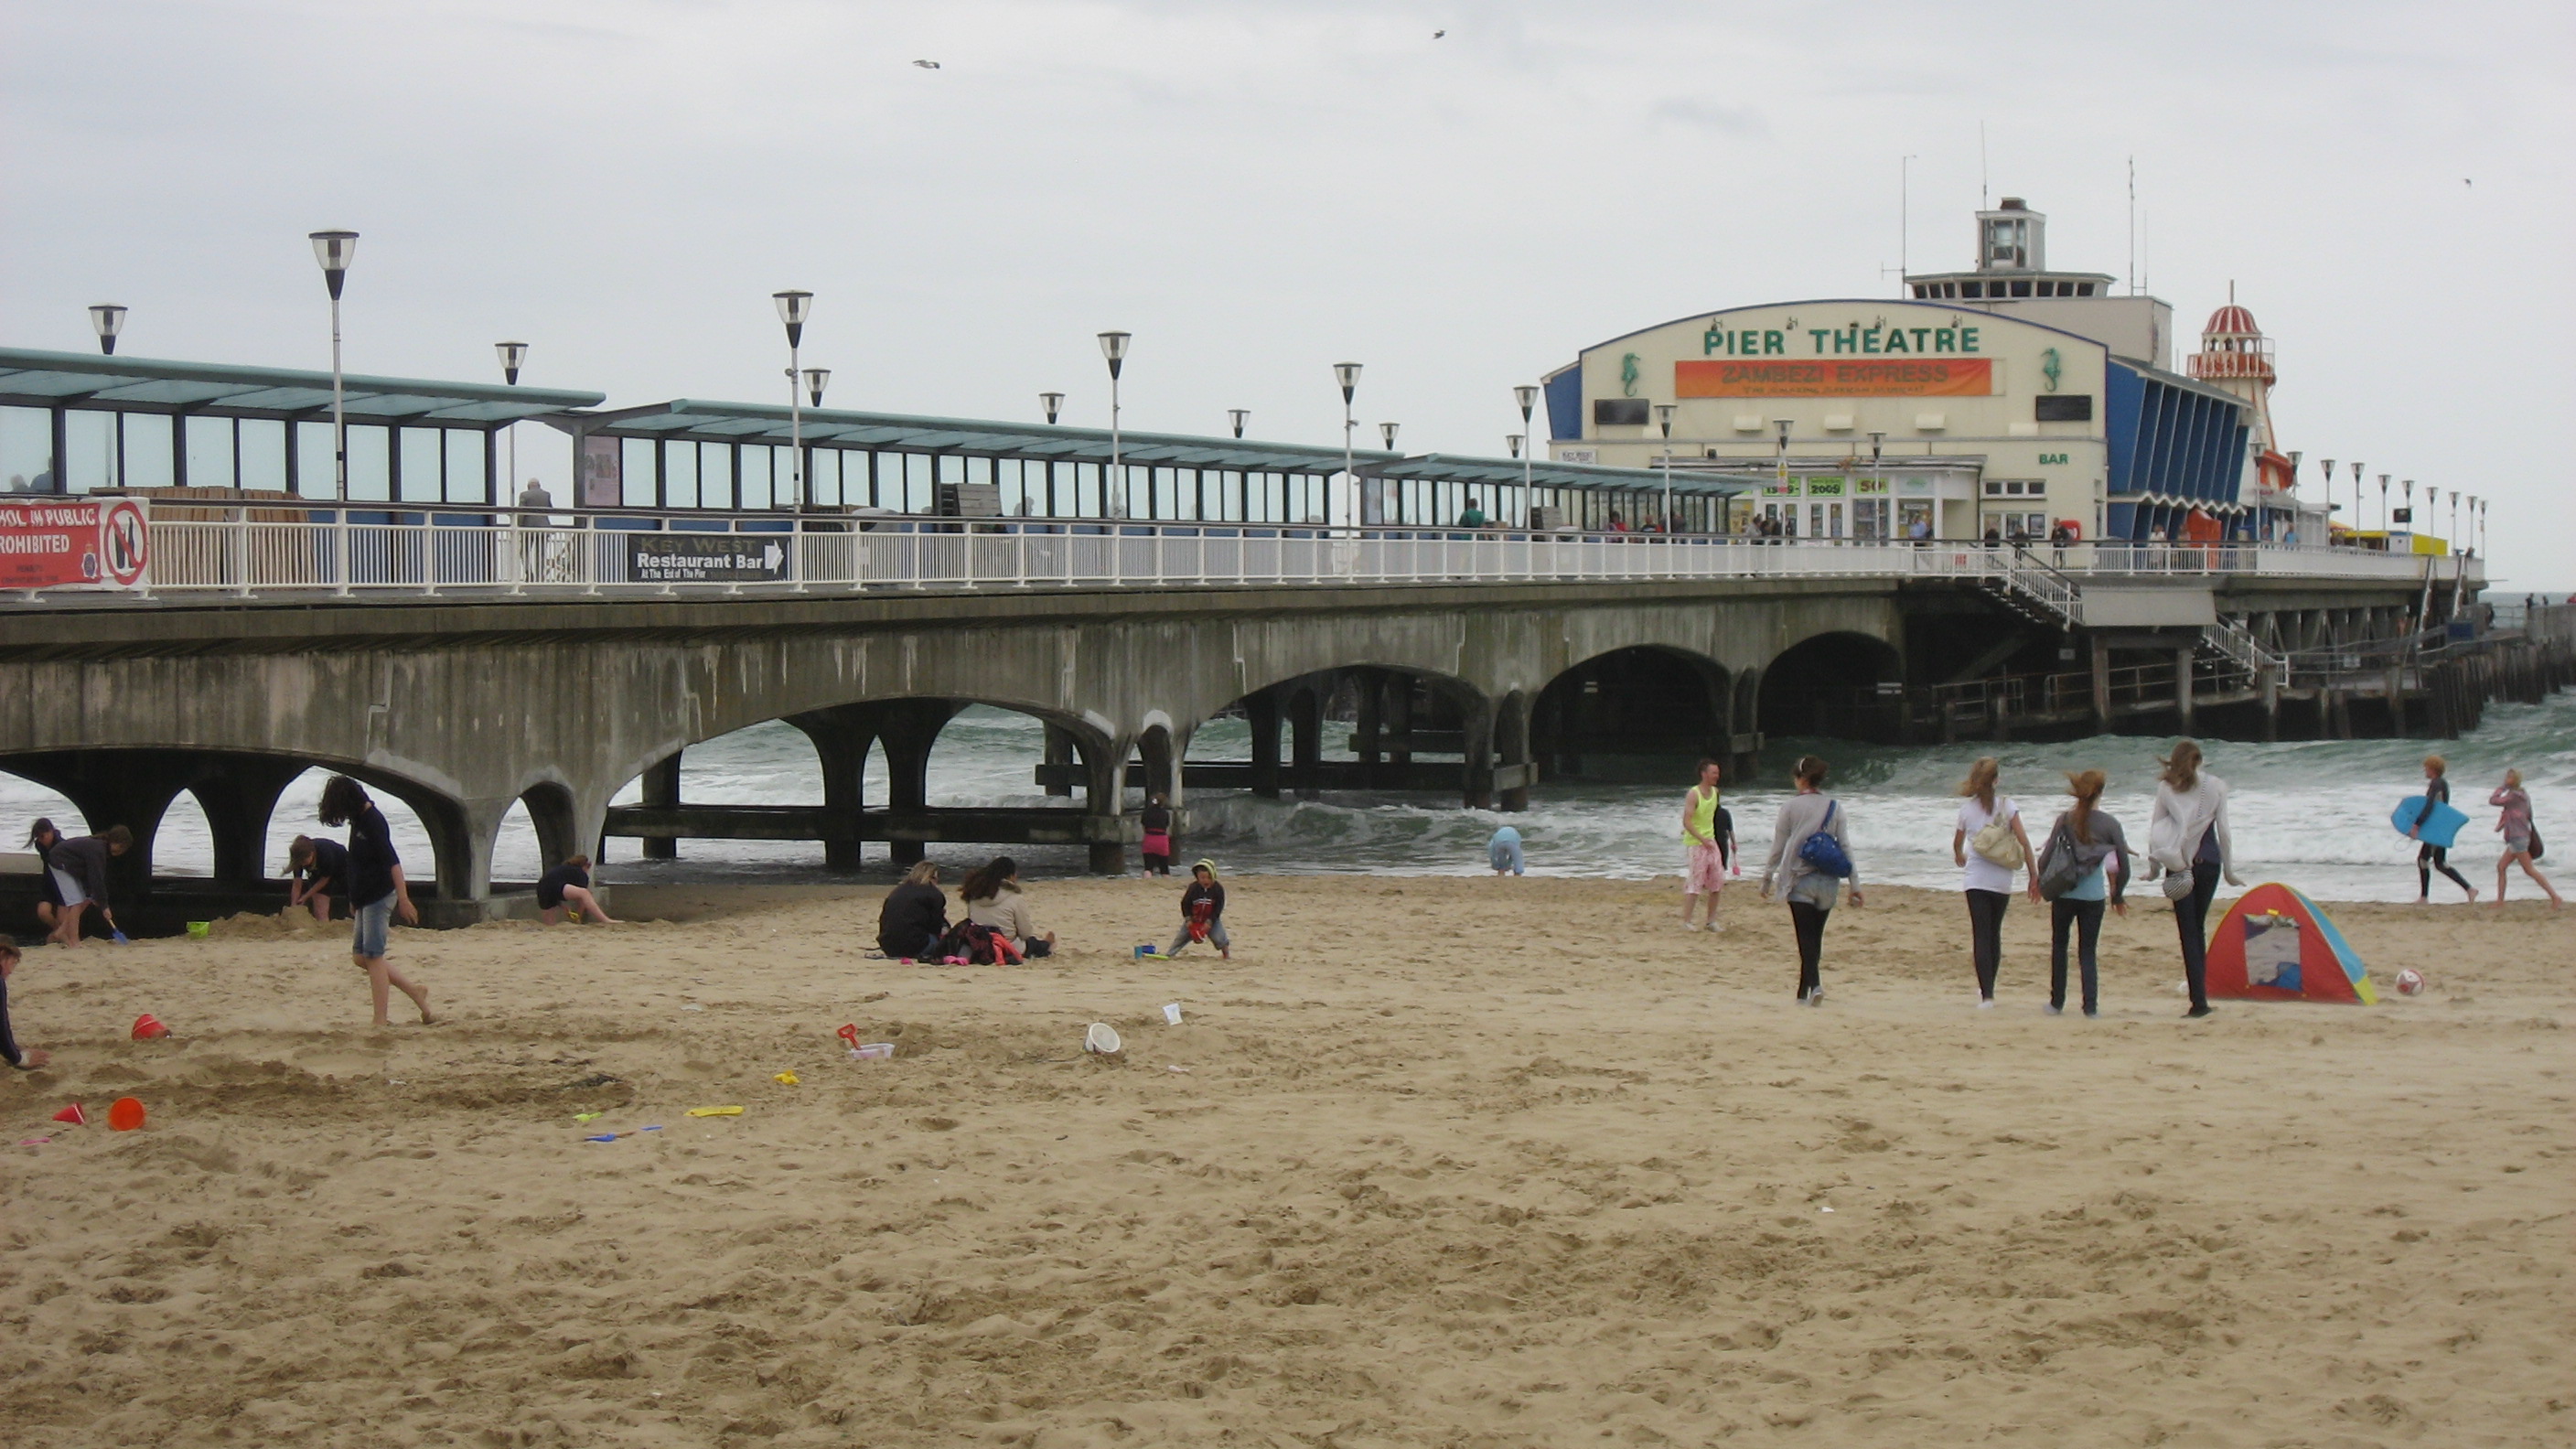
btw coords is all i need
(2313, 814)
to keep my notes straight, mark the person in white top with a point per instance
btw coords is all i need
(1989, 845)
(2188, 844)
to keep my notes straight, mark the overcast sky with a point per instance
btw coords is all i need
(1260, 188)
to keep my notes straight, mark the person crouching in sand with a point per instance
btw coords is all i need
(1808, 864)
(566, 890)
(1203, 913)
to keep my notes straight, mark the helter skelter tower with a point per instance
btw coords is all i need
(2235, 355)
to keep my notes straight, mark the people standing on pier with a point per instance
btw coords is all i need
(25, 1059)
(1157, 846)
(315, 868)
(1503, 851)
(994, 900)
(2084, 844)
(1203, 913)
(1808, 863)
(2522, 843)
(79, 869)
(378, 893)
(2428, 856)
(914, 916)
(2188, 841)
(1988, 846)
(566, 889)
(1703, 858)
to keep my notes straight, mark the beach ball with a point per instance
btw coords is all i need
(2410, 982)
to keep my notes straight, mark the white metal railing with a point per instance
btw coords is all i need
(501, 553)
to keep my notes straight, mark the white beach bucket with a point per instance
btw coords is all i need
(1100, 1038)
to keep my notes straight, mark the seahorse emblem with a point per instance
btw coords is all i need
(2048, 367)
(1628, 376)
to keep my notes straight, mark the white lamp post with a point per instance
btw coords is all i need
(514, 355)
(1526, 394)
(1348, 375)
(2409, 488)
(1113, 346)
(108, 319)
(335, 250)
(1878, 441)
(793, 309)
(1053, 402)
(2356, 502)
(1782, 469)
(2328, 465)
(1664, 420)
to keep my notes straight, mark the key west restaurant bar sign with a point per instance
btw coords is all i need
(1855, 361)
(102, 543)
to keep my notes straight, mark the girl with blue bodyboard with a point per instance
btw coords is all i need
(2431, 820)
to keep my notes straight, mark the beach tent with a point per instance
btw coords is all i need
(2275, 945)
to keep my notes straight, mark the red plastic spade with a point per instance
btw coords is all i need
(74, 1115)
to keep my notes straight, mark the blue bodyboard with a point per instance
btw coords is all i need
(2440, 828)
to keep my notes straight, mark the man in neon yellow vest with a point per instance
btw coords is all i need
(1704, 870)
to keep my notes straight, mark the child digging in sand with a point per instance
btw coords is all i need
(1203, 912)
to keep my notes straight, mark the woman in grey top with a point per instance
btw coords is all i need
(1811, 892)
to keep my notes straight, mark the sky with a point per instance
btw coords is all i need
(1257, 189)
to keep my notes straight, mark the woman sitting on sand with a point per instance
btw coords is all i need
(994, 901)
(915, 915)
(1811, 889)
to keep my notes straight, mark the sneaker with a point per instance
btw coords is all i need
(1817, 997)
(2054, 1009)
(1985, 1003)
(2196, 1012)
(2091, 1015)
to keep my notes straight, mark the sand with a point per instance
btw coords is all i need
(1432, 1162)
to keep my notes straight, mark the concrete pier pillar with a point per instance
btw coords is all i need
(240, 799)
(2268, 685)
(908, 730)
(1399, 726)
(1519, 767)
(1476, 726)
(841, 736)
(2183, 701)
(1059, 751)
(1261, 711)
(2101, 686)
(1370, 692)
(1105, 793)
(1306, 727)
(662, 791)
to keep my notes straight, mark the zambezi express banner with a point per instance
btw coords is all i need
(1836, 377)
(98, 543)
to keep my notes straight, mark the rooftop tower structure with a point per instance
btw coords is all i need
(2235, 355)
(2012, 276)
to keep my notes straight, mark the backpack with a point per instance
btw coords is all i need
(2064, 862)
(978, 946)
(1821, 852)
(1994, 839)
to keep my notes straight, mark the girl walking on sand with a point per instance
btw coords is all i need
(2085, 844)
(2187, 840)
(2520, 837)
(377, 892)
(2428, 856)
(1808, 865)
(1989, 845)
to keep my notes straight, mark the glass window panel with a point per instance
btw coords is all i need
(716, 475)
(467, 481)
(680, 475)
(89, 447)
(27, 449)
(1166, 491)
(635, 473)
(263, 454)
(210, 452)
(762, 467)
(312, 443)
(147, 450)
(827, 477)
(370, 478)
(421, 465)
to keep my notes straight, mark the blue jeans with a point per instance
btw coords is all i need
(367, 938)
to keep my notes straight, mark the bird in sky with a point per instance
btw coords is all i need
(1438, 33)
(927, 64)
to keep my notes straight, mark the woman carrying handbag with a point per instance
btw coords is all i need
(2187, 842)
(1808, 864)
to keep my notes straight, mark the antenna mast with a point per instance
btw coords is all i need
(2133, 226)
(1981, 166)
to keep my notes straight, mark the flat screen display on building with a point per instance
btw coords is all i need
(1835, 377)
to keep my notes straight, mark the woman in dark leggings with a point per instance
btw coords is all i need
(2187, 838)
(1811, 893)
(2089, 833)
(2428, 856)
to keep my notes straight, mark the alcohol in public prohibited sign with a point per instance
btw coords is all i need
(73, 543)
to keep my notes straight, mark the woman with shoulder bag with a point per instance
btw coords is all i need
(2187, 841)
(1989, 845)
(2522, 842)
(1808, 864)
(2074, 873)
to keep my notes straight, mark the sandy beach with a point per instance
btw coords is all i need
(1446, 1162)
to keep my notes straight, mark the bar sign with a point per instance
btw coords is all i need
(706, 558)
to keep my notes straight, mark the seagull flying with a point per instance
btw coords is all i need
(927, 64)
(1438, 33)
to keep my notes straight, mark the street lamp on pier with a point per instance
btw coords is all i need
(1053, 402)
(108, 319)
(1514, 440)
(1239, 416)
(2408, 488)
(1664, 420)
(335, 250)
(1348, 375)
(2384, 519)
(2356, 502)
(514, 355)
(793, 309)
(2328, 465)
(1887, 521)
(1781, 472)
(1526, 394)
(1113, 346)
(816, 379)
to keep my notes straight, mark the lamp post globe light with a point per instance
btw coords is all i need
(1664, 420)
(2356, 500)
(1877, 443)
(816, 379)
(514, 355)
(2409, 489)
(1348, 375)
(1386, 434)
(2384, 519)
(1239, 417)
(793, 309)
(1053, 402)
(335, 250)
(2328, 465)
(1113, 346)
(107, 319)
(1526, 394)
(1513, 441)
